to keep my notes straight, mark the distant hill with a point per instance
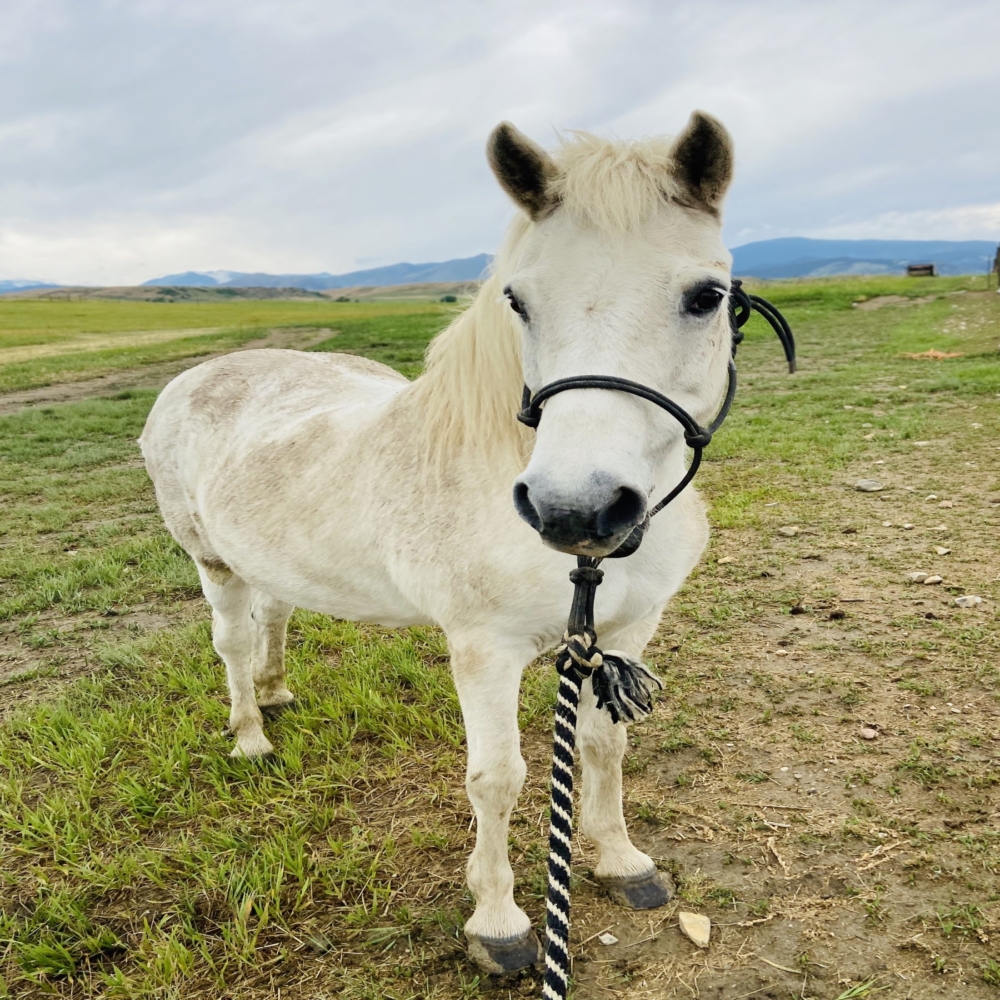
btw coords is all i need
(430, 291)
(797, 257)
(22, 285)
(463, 269)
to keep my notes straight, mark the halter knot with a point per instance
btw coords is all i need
(586, 574)
(578, 654)
(700, 440)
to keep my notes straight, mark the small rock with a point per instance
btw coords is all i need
(725, 560)
(917, 577)
(940, 527)
(907, 527)
(921, 444)
(869, 436)
(868, 486)
(866, 425)
(812, 791)
(968, 601)
(783, 769)
(931, 580)
(932, 496)
(791, 531)
(867, 733)
(607, 938)
(946, 503)
(887, 524)
(797, 609)
(695, 927)
(781, 652)
(942, 551)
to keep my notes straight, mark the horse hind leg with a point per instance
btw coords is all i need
(233, 638)
(629, 876)
(270, 619)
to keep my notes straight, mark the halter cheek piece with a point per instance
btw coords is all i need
(622, 685)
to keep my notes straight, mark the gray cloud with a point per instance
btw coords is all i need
(140, 137)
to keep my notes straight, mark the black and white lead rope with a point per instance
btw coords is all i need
(622, 684)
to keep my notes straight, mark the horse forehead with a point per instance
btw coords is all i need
(673, 241)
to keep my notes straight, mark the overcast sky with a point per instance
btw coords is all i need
(143, 137)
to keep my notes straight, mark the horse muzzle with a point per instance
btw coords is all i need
(592, 522)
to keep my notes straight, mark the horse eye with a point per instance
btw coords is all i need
(704, 301)
(516, 304)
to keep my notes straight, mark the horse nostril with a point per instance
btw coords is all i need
(525, 507)
(625, 511)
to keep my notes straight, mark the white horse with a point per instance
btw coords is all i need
(330, 482)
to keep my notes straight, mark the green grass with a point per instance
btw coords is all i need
(138, 860)
(384, 331)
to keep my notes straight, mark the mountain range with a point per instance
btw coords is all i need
(463, 269)
(23, 285)
(797, 257)
(789, 257)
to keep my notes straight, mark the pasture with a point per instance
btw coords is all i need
(138, 860)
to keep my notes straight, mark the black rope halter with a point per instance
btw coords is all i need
(622, 684)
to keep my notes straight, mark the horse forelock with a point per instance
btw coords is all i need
(614, 184)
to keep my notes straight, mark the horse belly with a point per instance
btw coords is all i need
(361, 593)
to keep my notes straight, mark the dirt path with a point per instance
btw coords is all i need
(151, 376)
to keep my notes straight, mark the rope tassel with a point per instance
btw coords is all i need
(624, 687)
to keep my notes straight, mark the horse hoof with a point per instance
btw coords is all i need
(273, 711)
(252, 746)
(639, 892)
(504, 958)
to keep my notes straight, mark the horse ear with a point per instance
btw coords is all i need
(703, 159)
(525, 171)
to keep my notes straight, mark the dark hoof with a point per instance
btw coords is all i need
(504, 958)
(640, 892)
(273, 711)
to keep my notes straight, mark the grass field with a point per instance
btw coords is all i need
(137, 860)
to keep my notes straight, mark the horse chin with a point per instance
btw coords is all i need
(595, 548)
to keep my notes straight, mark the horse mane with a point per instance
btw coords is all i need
(470, 392)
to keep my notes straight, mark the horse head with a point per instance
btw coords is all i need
(621, 272)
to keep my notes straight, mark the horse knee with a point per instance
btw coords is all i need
(496, 783)
(231, 638)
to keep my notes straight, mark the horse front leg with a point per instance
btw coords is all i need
(629, 876)
(499, 932)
